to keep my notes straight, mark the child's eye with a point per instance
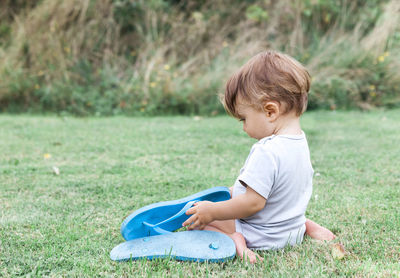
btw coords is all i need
(242, 120)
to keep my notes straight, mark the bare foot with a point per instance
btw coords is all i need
(249, 256)
(318, 232)
(228, 227)
(242, 251)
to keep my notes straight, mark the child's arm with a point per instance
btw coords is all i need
(241, 206)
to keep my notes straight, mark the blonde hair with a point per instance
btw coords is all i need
(269, 76)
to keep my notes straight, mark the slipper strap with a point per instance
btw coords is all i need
(156, 229)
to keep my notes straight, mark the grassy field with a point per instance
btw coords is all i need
(66, 224)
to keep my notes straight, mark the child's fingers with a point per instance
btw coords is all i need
(190, 220)
(191, 226)
(194, 225)
(192, 210)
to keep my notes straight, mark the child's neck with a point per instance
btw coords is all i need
(288, 124)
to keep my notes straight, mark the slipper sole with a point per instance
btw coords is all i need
(198, 246)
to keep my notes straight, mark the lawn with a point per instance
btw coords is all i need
(66, 224)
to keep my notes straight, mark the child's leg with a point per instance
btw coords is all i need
(228, 227)
(317, 231)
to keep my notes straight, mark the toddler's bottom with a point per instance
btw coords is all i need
(258, 239)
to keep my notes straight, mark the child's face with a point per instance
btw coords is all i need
(257, 124)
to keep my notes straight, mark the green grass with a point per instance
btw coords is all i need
(66, 225)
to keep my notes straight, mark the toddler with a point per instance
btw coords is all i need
(270, 196)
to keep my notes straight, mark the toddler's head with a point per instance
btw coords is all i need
(269, 76)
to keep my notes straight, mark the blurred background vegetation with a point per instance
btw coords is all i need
(107, 57)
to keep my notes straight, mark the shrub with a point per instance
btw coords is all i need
(141, 57)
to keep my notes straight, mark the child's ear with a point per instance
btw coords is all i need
(271, 109)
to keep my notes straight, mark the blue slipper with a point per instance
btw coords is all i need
(166, 217)
(199, 246)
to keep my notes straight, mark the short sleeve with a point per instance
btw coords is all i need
(259, 171)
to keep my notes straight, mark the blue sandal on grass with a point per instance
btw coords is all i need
(198, 246)
(148, 232)
(164, 217)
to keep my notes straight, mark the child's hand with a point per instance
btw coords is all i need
(202, 215)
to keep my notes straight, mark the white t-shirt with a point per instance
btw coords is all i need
(279, 169)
